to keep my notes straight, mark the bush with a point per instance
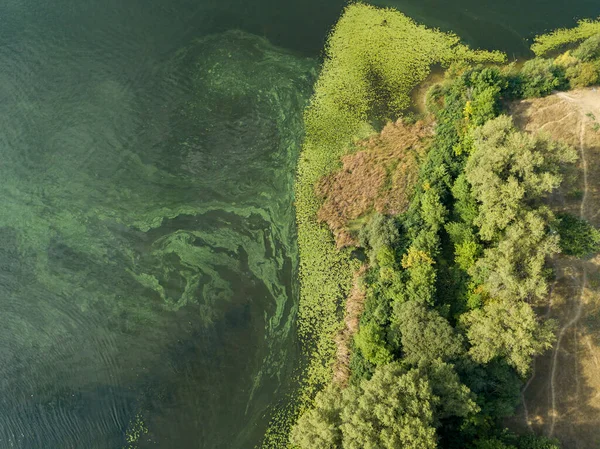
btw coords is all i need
(538, 442)
(582, 75)
(540, 77)
(577, 236)
(589, 49)
(380, 231)
(370, 341)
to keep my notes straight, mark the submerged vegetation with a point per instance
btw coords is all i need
(451, 278)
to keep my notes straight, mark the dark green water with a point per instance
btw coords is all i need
(147, 242)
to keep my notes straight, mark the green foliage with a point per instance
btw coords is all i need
(582, 65)
(455, 398)
(515, 268)
(319, 427)
(370, 340)
(420, 285)
(386, 257)
(467, 249)
(481, 174)
(492, 443)
(508, 330)
(540, 77)
(433, 212)
(537, 442)
(378, 232)
(509, 170)
(466, 254)
(360, 368)
(465, 204)
(557, 39)
(589, 49)
(395, 408)
(582, 75)
(577, 236)
(375, 57)
(496, 385)
(509, 441)
(485, 105)
(424, 334)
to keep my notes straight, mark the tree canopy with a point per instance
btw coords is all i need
(397, 408)
(509, 330)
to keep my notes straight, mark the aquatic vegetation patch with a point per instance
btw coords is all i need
(557, 39)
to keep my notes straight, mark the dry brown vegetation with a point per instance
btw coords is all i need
(562, 398)
(354, 309)
(380, 177)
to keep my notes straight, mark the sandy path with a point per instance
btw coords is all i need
(582, 154)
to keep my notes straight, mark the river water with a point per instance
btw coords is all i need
(147, 246)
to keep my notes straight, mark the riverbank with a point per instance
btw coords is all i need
(444, 270)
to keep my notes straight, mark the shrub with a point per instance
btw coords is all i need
(577, 236)
(371, 342)
(541, 77)
(582, 75)
(589, 49)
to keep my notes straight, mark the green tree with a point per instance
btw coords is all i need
(537, 442)
(319, 426)
(379, 231)
(509, 170)
(496, 385)
(492, 443)
(401, 409)
(516, 267)
(455, 398)
(583, 74)
(433, 212)
(508, 330)
(540, 77)
(370, 340)
(396, 408)
(577, 236)
(424, 334)
(465, 204)
(420, 285)
(467, 248)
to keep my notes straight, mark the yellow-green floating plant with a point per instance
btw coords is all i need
(557, 39)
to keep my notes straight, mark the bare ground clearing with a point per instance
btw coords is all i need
(562, 398)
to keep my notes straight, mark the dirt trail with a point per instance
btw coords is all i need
(562, 397)
(583, 283)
